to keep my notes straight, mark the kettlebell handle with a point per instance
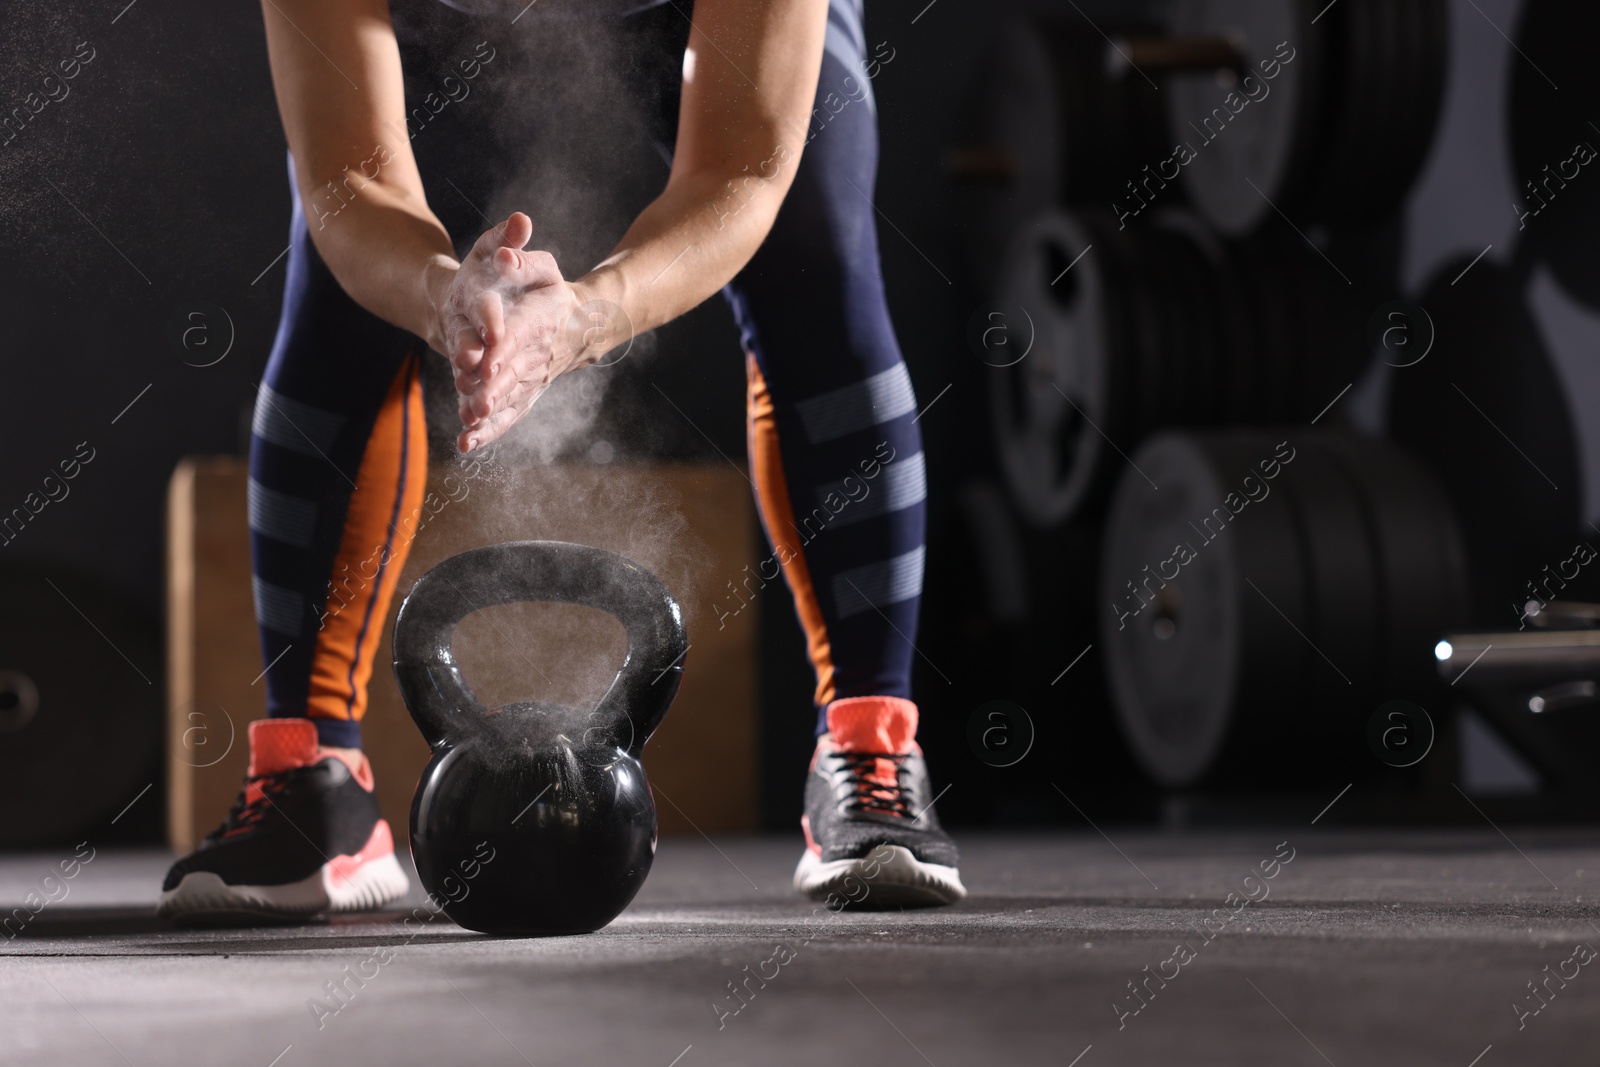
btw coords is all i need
(439, 698)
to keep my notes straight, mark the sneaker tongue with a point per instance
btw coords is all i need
(873, 724)
(281, 745)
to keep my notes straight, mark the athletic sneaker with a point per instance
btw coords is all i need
(303, 837)
(872, 836)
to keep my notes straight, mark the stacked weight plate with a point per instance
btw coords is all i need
(1158, 325)
(1489, 412)
(1278, 586)
(1340, 130)
(1049, 124)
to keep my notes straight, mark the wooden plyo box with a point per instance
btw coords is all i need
(693, 525)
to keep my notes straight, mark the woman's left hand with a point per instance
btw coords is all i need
(512, 326)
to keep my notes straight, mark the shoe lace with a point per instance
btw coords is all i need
(252, 802)
(869, 794)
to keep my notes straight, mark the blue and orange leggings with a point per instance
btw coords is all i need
(338, 453)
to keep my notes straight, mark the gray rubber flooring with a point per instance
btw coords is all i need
(1372, 948)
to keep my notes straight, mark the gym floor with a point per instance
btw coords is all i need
(1403, 948)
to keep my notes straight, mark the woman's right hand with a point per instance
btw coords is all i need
(511, 325)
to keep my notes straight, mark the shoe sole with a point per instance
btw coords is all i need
(900, 881)
(203, 898)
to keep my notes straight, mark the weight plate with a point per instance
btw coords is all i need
(1265, 388)
(1203, 284)
(1161, 321)
(1053, 409)
(1272, 568)
(1264, 151)
(1148, 326)
(1356, 105)
(1199, 659)
(1547, 126)
(1287, 253)
(1048, 125)
(1006, 172)
(1244, 339)
(1173, 663)
(1270, 644)
(1341, 312)
(80, 725)
(1421, 563)
(1187, 333)
(1332, 348)
(1488, 413)
(1346, 617)
(1111, 125)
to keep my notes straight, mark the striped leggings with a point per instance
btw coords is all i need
(338, 452)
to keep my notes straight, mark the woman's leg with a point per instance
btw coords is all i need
(337, 464)
(835, 450)
(837, 460)
(338, 460)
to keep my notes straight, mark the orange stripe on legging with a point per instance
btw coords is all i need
(777, 515)
(378, 528)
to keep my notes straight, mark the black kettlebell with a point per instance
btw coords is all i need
(535, 818)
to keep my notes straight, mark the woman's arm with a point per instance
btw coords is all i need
(505, 317)
(750, 78)
(336, 71)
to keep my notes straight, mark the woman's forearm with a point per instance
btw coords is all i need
(749, 79)
(387, 250)
(342, 100)
(692, 239)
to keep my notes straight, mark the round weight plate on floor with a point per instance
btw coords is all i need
(1248, 153)
(1422, 565)
(1488, 414)
(80, 725)
(1347, 625)
(1049, 125)
(1554, 140)
(1194, 577)
(1053, 409)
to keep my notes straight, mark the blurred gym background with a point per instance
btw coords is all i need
(1377, 250)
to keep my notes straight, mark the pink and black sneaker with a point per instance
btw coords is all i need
(304, 837)
(872, 837)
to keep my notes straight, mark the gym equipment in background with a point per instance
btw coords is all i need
(535, 818)
(1279, 585)
(1538, 686)
(1323, 112)
(1488, 412)
(1340, 132)
(1049, 123)
(80, 709)
(1154, 326)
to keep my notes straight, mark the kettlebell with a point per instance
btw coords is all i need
(535, 818)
